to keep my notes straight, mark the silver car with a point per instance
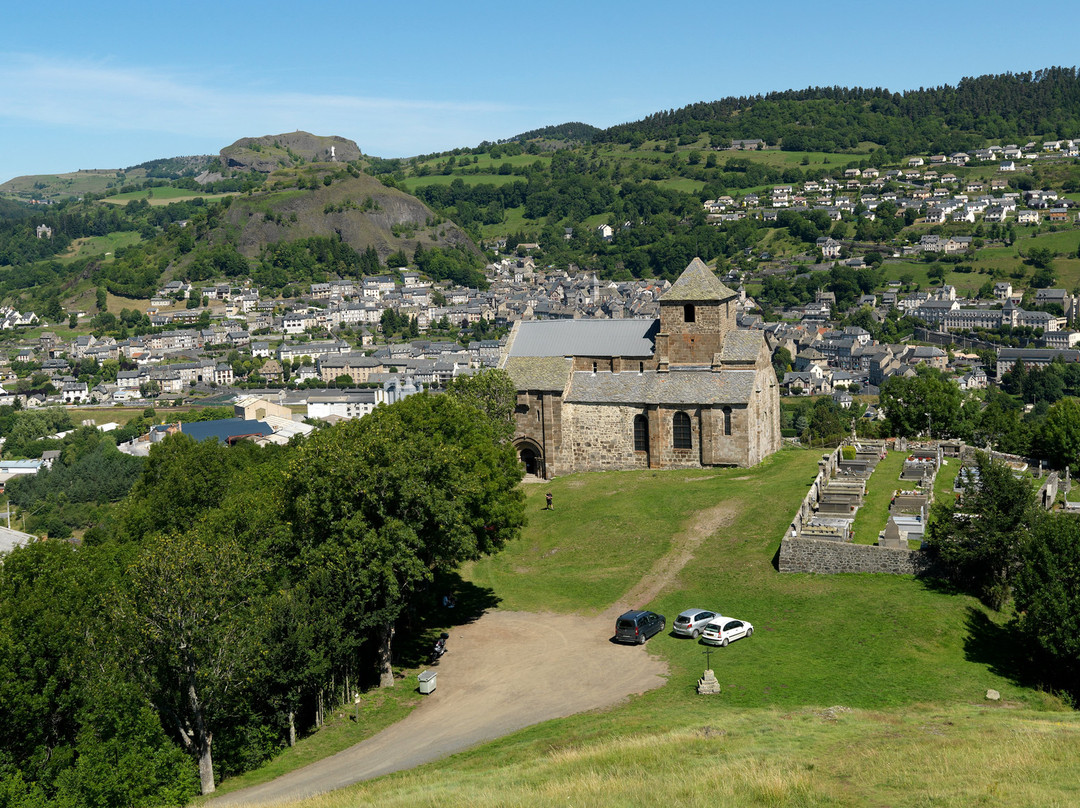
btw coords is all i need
(723, 630)
(692, 621)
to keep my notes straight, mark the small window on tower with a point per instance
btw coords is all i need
(689, 316)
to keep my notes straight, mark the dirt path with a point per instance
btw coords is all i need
(506, 671)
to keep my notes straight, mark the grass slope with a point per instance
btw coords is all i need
(955, 757)
(854, 690)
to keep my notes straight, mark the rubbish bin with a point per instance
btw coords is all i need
(427, 681)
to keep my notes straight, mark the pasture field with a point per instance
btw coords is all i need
(103, 246)
(165, 195)
(854, 690)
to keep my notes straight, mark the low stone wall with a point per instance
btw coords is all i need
(830, 557)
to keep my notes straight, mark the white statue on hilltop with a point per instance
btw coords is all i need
(333, 158)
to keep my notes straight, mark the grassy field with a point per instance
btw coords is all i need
(948, 757)
(410, 184)
(75, 183)
(104, 246)
(161, 196)
(854, 690)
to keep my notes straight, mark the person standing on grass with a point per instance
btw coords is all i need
(550, 507)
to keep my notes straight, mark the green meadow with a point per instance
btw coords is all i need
(854, 690)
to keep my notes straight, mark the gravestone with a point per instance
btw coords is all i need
(893, 537)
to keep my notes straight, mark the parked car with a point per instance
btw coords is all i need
(723, 630)
(638, 626)
(692, 621)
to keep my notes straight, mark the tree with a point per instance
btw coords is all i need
(1058, 437)
(980, 540)
(493, 393)
(781, 362)
(926, 401)
(193, 605)
(1048, 595)
(410, 490)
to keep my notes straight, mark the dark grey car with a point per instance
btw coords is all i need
(638, 626)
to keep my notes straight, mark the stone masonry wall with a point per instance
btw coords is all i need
(831, 557)
(599, 437)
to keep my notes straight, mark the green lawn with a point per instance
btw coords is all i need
(854, 690)
(705, 754)
(410, 184)
(161, 196)
(820, 639)
(105, 246)
(946, 476)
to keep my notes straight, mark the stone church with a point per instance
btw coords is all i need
(689, 390)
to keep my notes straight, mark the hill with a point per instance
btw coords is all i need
(271, 152)
(356, 208)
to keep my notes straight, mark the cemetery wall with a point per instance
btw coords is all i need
(831, 557)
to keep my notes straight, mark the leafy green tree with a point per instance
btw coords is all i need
(181, 482)
(410, 490)
(1058, 438)
(928, 396)
(980, 540)
(1048, 596)
(76, 731)
(826, 419)
(194, 605)
(781, 362)
(493, 393)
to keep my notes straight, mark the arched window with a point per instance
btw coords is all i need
(727, 420)
(680, 431)
(688, 313)
(641, 433)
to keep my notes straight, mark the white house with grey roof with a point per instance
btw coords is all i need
(687, 390)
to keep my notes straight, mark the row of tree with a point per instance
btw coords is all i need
(217, 610)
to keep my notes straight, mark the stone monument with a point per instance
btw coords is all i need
(707, 684)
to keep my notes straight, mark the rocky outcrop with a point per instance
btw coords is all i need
(271, 152)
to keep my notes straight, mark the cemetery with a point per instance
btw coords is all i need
(823, 536)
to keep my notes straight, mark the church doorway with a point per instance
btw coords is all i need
(532, 458)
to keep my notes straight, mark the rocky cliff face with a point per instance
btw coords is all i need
(271, 152)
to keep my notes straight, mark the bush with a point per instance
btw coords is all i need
(848, 452)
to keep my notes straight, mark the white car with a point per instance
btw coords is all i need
(723, 630)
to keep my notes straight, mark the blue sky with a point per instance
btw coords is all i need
(110, 84)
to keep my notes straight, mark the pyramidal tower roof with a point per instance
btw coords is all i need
(697, 283)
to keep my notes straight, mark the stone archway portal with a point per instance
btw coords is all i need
(532, 458)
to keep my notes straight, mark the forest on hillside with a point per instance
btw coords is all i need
(1003, 107)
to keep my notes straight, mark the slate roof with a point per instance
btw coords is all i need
(741, 346)
(628, 337)
(538, 372)
(680, 387)
(225, 429)
(697, 283)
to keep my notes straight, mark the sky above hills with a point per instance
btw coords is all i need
(112, 84)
